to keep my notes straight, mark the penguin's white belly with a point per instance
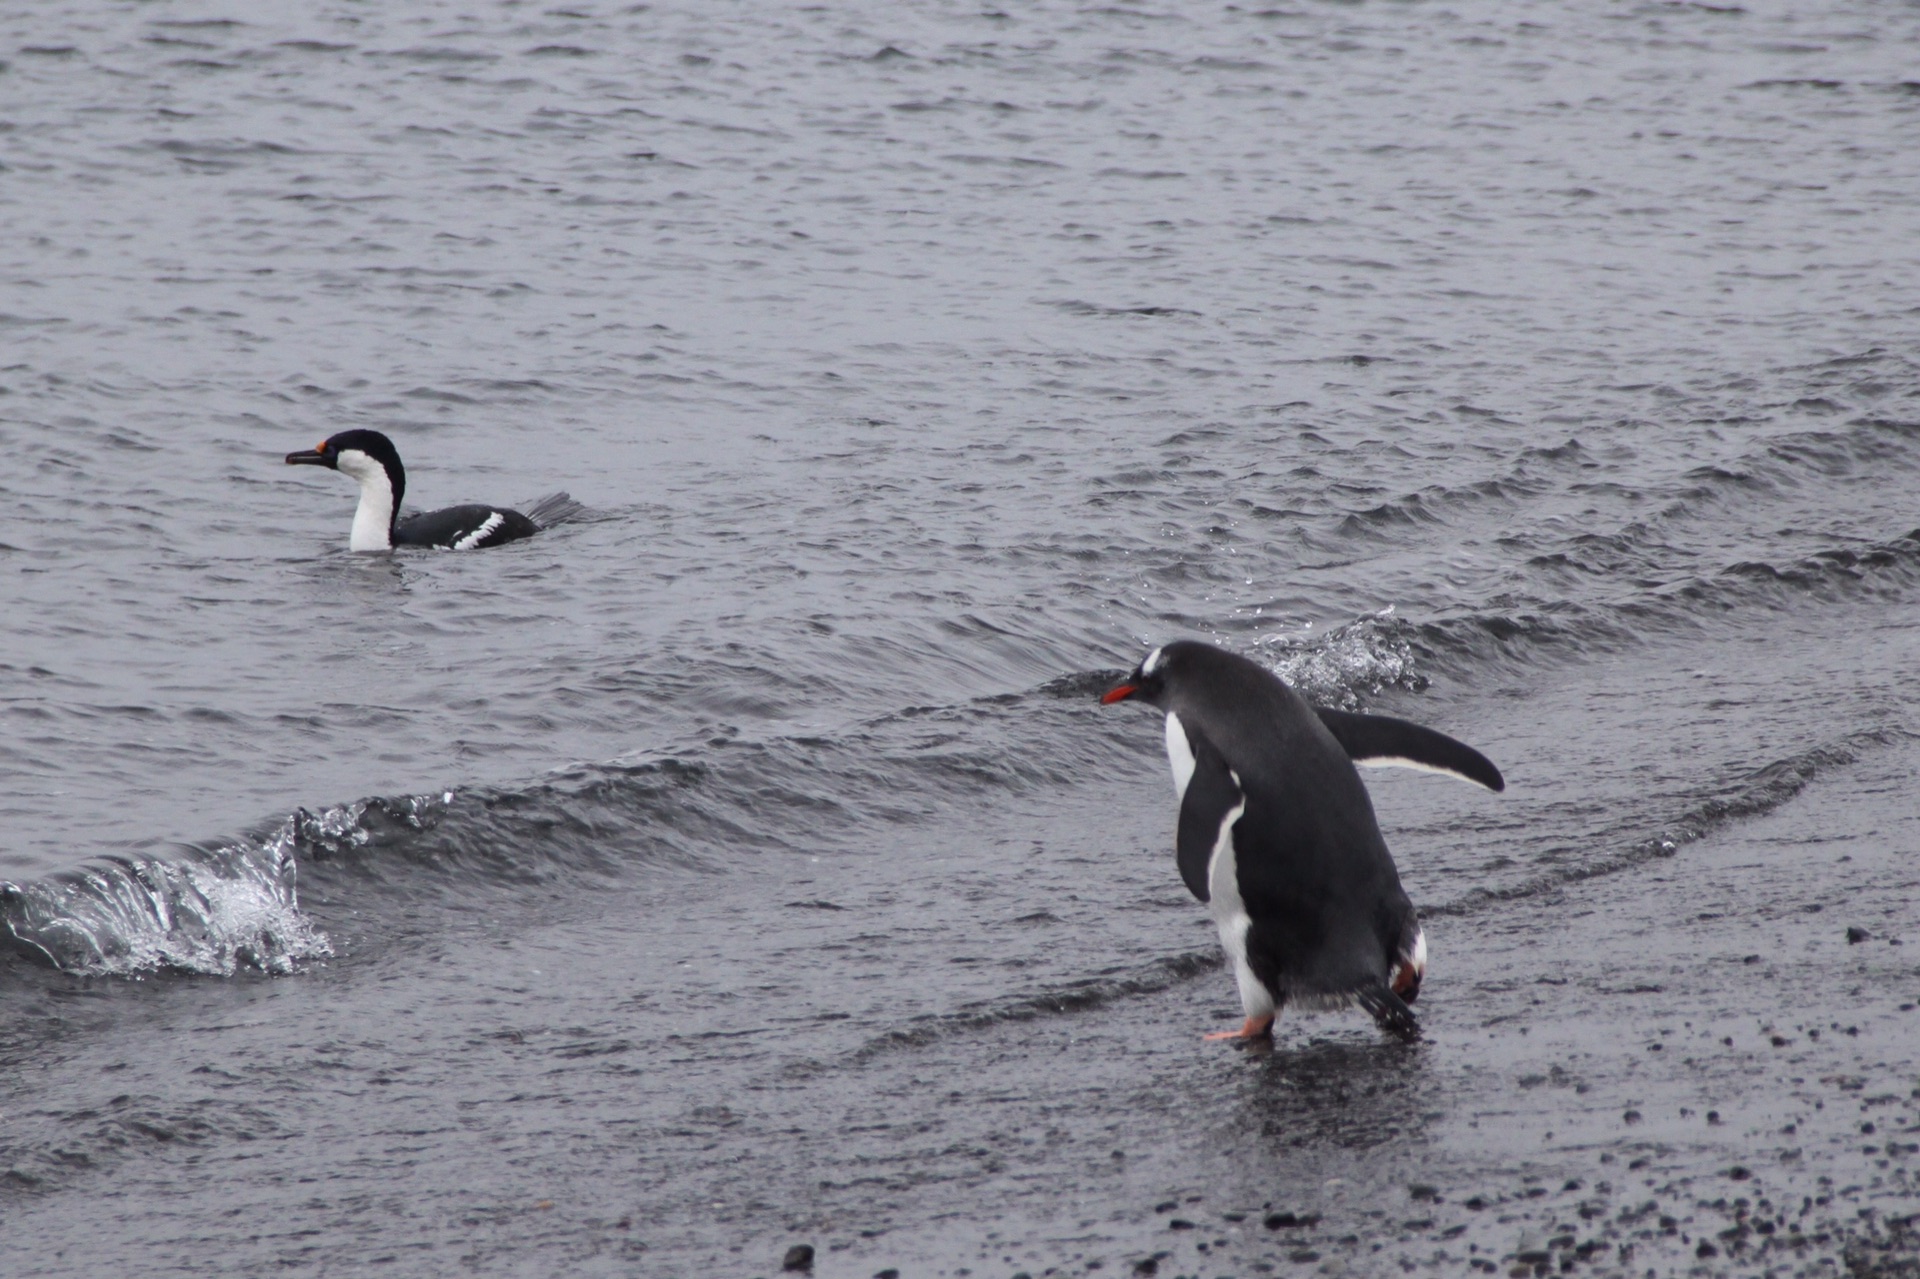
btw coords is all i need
(1230, 912)
(1179, 755)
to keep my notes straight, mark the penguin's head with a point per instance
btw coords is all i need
(1148, 683)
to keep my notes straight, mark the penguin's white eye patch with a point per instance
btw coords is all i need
(1153, 661)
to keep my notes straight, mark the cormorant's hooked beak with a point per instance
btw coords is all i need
(1118, 693)
(310, 457)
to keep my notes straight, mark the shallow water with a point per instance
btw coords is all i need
(1544, 374)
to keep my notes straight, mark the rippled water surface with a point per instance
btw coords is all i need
(1543, 372)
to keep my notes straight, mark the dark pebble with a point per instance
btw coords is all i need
(799, 1257)
(1857, 935)
(1179, 1223)
(1290, 1221)
(1303, 1256)
(1706, 1250)
(1421, 1190)
(1534, 1257)
(888, 1273)
(1166, 1205)
(1738, 1173)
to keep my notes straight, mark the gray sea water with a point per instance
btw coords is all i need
(748, 862)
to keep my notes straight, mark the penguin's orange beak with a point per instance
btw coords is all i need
(1118, 693)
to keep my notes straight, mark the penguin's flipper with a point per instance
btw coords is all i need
(1212, 804)
(1391, 1012)
(1380, 741)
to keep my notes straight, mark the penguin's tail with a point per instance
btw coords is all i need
(1391, 1012)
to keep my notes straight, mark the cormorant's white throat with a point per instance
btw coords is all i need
(373, 519)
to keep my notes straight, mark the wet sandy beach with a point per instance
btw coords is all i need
(1712, 1079)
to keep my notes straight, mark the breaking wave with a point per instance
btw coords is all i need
(1521, 631)
(1758, 793)
(219, 912)
(235, 908)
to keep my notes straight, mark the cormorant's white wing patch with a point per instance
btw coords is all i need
(493, 521)
(1380, 741)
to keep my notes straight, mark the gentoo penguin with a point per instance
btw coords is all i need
(1277, 834)
(370, 458)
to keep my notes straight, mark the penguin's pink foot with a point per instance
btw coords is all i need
(1253, 1028)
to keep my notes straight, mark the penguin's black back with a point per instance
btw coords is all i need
(1327, 909)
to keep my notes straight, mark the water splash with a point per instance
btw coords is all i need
(364, 824)
(1348, 663)
(217, 912)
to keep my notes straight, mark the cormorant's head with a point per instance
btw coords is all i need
(325, 453)
(361, 454)
(370, 458)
